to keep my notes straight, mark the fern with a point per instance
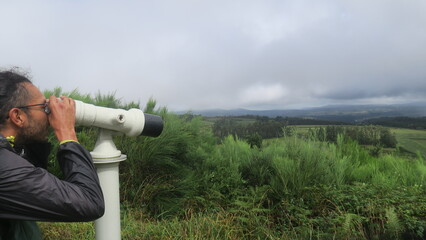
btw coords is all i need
(393, 224)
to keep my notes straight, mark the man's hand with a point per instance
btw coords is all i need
(62, 118)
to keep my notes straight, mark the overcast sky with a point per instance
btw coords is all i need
(194, 54)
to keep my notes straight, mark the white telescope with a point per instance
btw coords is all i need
(131, 122)
(107, 157)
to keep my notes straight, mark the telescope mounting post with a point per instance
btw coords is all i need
(106, 158)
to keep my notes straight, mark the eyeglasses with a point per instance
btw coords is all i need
(45, 107)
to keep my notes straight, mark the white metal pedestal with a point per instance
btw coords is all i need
(106, 158)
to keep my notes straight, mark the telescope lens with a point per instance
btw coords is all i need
(153, 125)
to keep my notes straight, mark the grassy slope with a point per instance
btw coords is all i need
(411, 140)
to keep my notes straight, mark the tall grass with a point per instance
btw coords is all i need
(185, 184)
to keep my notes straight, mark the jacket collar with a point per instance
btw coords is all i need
(4, 143)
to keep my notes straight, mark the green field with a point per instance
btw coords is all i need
(411, 140)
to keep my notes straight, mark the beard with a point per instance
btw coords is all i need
(34, 132)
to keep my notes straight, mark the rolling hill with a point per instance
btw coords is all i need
(344, 113)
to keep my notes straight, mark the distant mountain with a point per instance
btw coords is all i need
(345, 113)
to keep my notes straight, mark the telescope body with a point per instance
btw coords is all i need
(132, 123)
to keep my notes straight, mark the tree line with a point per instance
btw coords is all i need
(266, 128)
(364, 135)
(400, 122)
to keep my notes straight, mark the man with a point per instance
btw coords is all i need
(28, 193)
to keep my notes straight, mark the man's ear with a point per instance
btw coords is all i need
(17, 117)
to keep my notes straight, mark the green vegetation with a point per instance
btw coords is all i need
(413, 141)
(245, 126)
(364, 135)
(401, 122)
(190, 184)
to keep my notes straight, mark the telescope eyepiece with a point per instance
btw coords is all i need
(153, 125)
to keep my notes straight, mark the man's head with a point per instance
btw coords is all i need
(21, 108)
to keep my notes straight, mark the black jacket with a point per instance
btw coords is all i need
(28, 192)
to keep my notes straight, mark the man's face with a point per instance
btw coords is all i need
(37, 127)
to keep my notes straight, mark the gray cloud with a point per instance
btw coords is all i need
(222, 54)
